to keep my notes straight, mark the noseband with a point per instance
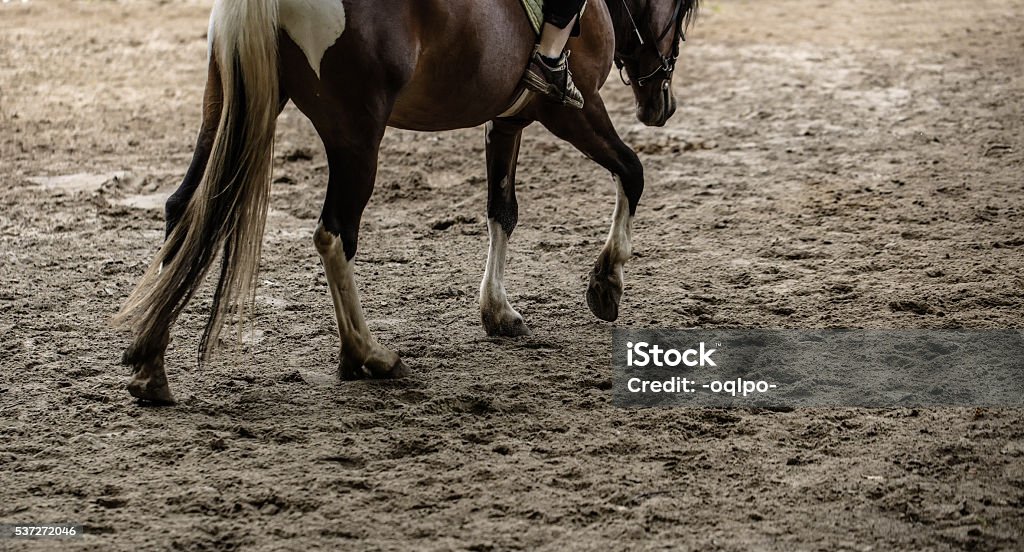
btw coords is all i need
(668, 62)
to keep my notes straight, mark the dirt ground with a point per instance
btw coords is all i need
(832, 164)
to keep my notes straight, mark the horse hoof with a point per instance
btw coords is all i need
(152, 390)
(512, 326)
(394, 370)
(380, 364)
(350, 370)
(603, 297)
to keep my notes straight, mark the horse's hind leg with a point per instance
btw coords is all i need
(591, 131)
(353, 169)
(149, 381)
(213, 98)
(503, 137)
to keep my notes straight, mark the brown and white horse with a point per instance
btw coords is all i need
(355, 67)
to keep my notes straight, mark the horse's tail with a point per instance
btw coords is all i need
(229, 209)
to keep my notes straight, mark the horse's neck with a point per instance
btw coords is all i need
(621, 21)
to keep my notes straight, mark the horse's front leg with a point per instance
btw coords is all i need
(592, 132)
(503, 137)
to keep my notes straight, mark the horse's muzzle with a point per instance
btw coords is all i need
(658, 105)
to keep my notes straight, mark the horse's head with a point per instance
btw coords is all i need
(647, 38)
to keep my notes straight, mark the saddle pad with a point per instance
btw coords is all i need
(535, 11)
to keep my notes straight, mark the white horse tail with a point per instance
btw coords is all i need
(229, 209)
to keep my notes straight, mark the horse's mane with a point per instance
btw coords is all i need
(689, 13)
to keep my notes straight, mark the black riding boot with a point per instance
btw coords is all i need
(553, 82)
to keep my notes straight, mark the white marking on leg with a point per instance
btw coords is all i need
(314, 25)
(619, 246)
(492, 288)
(355, 336)
(493, 300)
(358, 346)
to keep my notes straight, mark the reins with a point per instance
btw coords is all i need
(668, 62)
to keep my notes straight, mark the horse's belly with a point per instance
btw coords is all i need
(456, 88)
(429, 107)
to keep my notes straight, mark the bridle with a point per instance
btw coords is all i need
(668, 62)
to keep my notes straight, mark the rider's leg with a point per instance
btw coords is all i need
(553, 39)
(548, 72)
(562, 13)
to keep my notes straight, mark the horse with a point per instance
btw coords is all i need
(354, 68)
